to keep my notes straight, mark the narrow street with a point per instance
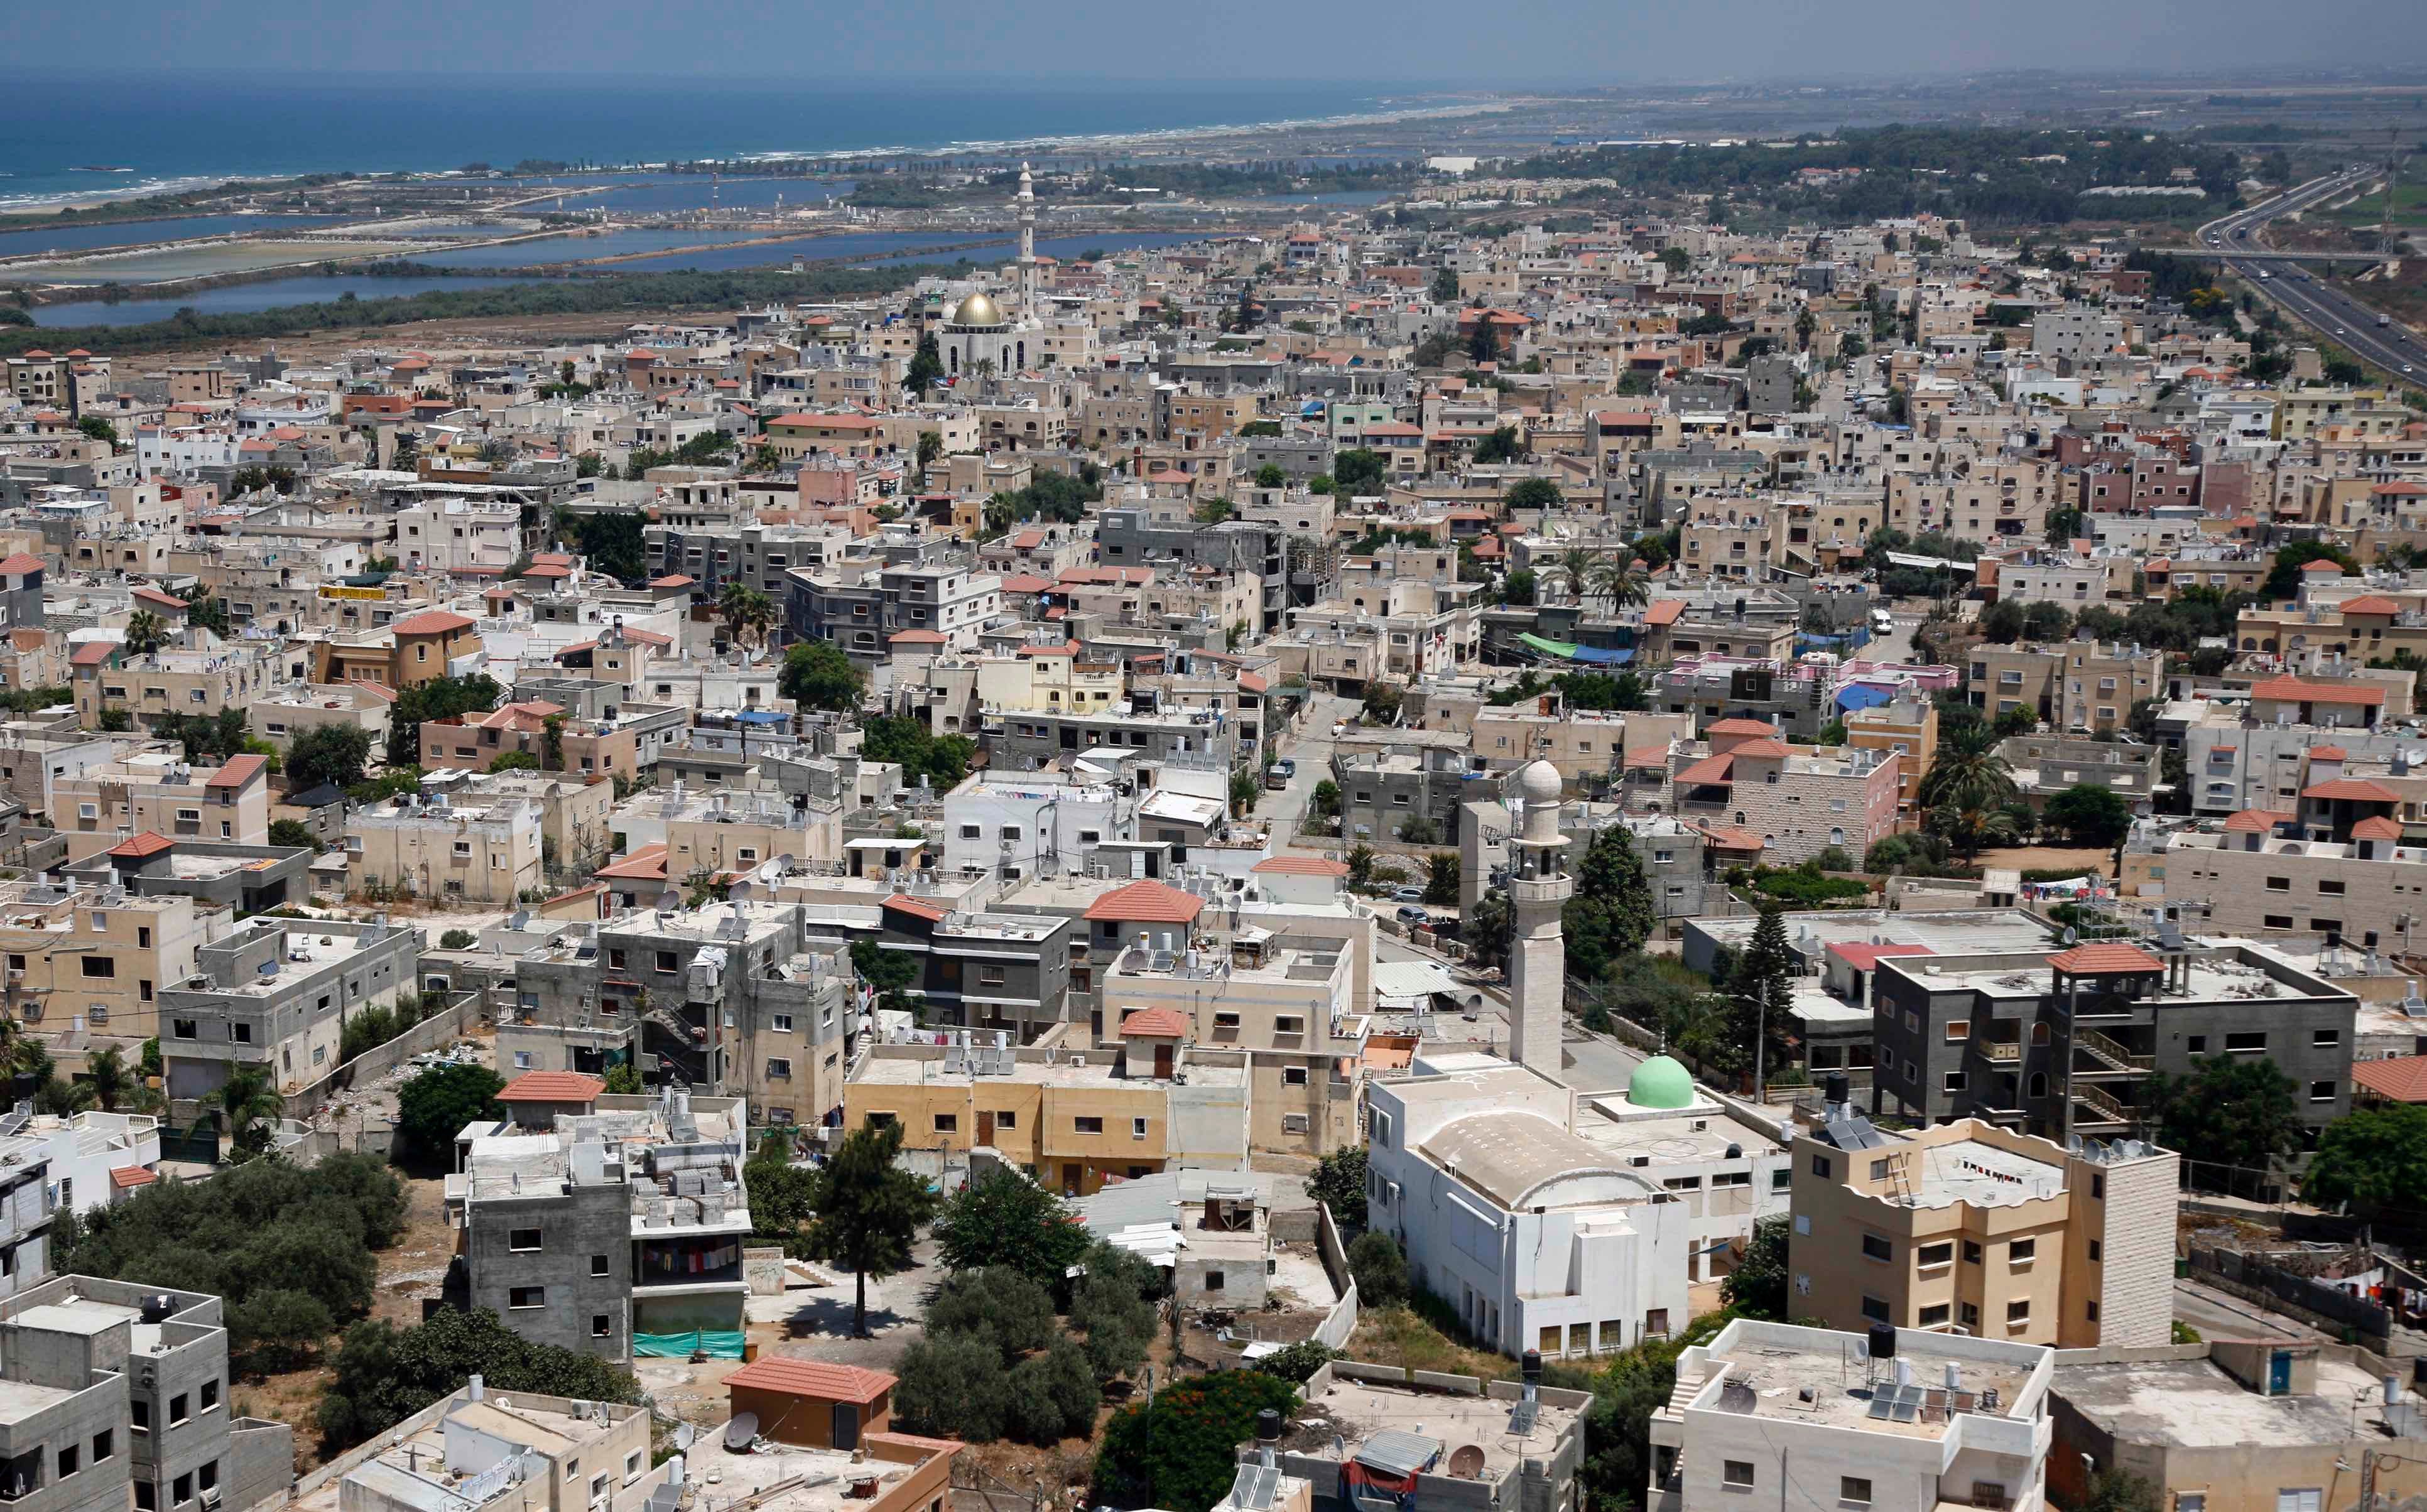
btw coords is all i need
(1309, 746)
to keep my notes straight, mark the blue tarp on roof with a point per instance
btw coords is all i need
(1863, 695)
(1600, 657)
(762, 716)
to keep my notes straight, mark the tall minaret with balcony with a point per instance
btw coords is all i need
(1027, 245)
(1539, 888)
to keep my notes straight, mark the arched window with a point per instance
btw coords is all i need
(2039, 1083)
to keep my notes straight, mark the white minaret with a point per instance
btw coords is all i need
(1027, 245)
(1538, 887)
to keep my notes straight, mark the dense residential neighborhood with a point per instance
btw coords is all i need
(1538, 837)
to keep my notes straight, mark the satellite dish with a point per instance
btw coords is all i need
(684, 1434)
(669, 902)
(2071, 936)
(738, 1432)
(1466, 1461)
(738, 892)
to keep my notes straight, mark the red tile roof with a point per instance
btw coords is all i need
(2106, 959)
(2379, 828)
(670, 580)
(1710, 768)
(123, 1177)
(2328, 752)
(2295, 690)
(2396, 1078)
(647, 864)
(1867, 957)
(932, 911)
(2323, 566)
(1301, 865)
(1146, 903)
(1155, 1023)
(1770, 750)
(2370, 604)
(552, 1086)
(93, 653)
(168, 601)
(142, 845)
(1664, 611)
(19, 562)
(2254, 822)
(239, 771)
(2353, 790)
(1741, 726)
(434, 622)
(813, 1378)
(915, 638)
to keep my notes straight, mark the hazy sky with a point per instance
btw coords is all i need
(1362, 41)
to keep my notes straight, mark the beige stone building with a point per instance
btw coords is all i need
(434, 847)
(2075, 685)
(98, 957)
(1968, 1227)
(159, 792)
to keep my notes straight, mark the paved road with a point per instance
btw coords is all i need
(2394, 347)
(1310, 748)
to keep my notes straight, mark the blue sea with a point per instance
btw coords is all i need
(63, 138)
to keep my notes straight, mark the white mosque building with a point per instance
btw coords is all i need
(979, 338)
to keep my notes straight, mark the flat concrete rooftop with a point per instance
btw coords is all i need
(1359, 1409)
(1767, 1377)
(2192, 1403)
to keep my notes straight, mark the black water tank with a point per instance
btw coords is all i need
(1268, 1426)
(1835, 1087)
(1531, 1367)
(158, 1308)
(1883, 1341)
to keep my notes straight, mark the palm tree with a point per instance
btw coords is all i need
(1967, 772)
(1971, 829)
(112, 1081)
(1575, 568)
(1621, 581)
(145, 633)
(748, 613)
(253, 1106)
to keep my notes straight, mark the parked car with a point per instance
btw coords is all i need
(1406, 895)
(1412, 914)
(1286, 765)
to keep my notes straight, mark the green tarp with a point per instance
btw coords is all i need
(1555, 648)
(715, 1344)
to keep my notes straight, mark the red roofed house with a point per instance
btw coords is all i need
(535, 1099)
(99, 805)
(2396, 1079)
(2309, 701)
(421, 648)
(811, 1403)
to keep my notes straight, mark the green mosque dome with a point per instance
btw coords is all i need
(1660, 1082)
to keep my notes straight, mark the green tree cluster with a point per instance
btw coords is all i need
(820, 674)
(868, 1210)
(1611, 913)
(438, 698)
(434, 1107)
(289, 1247)
(1180, 1451)
(385, 1373)
(332, 754)
(1003, 1219)
(942, 759)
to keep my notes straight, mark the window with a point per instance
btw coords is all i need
(2197, 1044)
(1738, 1472)
(177, 1412)
(2022, 1251)
(104, 1445)
(1089, 1126)
(783, 1023)
(1941, 1253)
(1934, 1316)
(2190, 1502)
(667, 961)
(2019, 1310)
(1288, 1024)
(70, 1459)
(2097, 1249)
(2247, 1042)
(598, 1264)
(141, 1419)
(1137, 1128)
(948, 1123)
(1820, 1166)
(146, 1500)
(522, 1238)
(2279, 885)
(1953, 1081)
(1213, 1280)
(1879, 1170)
(2321, 1091)
(211, 1396)
(600, 1326)
(1971, 1252)
(1781, 1179)
(100, 965)
(616, 960)
(1875, 1247)
(1875, 1309)
(527, 1297)
(181, 1490)
(1958, 1030)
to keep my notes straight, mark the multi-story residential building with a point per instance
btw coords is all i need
(1409, 789)
(605, 1224)
(1075, 1120)
(2046, 765)
(157, 793)
(1787, 802)
(1541, 1238)
(433, 846)
(2082, 686)
(175, 682)
(418, 648)
(97, 958)
(1771, 1413)
(743, 1000)
(1907, 728)
(97, 1159)
(1023, 827)
(2057, 1043)
(276, 993)
(282, 714)
(2246, 878)
(862, 610)
(119, 1395)
(1285, 1000)
(1971, 1228)
(526, 1452)
(986, 970)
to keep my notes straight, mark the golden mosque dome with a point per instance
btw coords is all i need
(977, 310)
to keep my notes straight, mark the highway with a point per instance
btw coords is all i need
(2336, 314)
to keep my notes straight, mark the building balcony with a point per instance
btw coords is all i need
(2003, 1052)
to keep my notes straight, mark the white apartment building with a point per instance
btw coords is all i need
(1768, 1414)
(1022, 824)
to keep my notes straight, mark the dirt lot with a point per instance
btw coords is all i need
(2048, 857)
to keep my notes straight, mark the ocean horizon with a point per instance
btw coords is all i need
(66, 141)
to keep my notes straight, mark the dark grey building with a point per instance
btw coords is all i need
(1130, 538)
(2063, 1042)
(249, 879)
(1384, 794)
(1006, 971)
